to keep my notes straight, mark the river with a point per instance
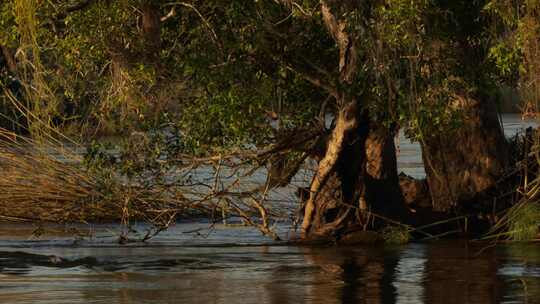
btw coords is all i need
(194, 262)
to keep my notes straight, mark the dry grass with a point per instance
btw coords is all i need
(46, 181)
(37, 186)
(40, 182)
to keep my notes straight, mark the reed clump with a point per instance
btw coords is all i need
(524, 221)
(520, 221)
(396, 235)
(36, 186)
(44, 183)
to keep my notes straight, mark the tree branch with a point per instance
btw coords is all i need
(314, 79)
(345, 41)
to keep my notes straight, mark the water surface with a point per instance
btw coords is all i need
(237, 265)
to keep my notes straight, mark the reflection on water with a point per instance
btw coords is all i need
(410, 270)
(177, 269)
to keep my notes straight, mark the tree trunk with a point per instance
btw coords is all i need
(151, 31)
(383, 192)
(358, 172)
(324, 211)
(463, 164)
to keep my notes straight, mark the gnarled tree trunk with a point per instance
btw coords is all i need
(334, 185)
(358, 172)
(468, 161)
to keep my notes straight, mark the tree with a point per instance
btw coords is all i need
(466, 160)
(267, 75)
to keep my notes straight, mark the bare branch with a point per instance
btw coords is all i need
(314, 79)
(169, 15)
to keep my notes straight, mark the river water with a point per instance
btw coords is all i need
(194, 262)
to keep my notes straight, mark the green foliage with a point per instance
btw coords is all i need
(400, 23)
(221, 71)
(396, 235)
(8, 33)
(507, 60)
(97, 159)
(138, 157)
(434, 113)
(220, 120)
(516, 28)
(524, 221)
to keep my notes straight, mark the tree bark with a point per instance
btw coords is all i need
(345, 42)
(151, 30)
(334, 185)
(470, 160)
(383, 191)
(363, 175)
